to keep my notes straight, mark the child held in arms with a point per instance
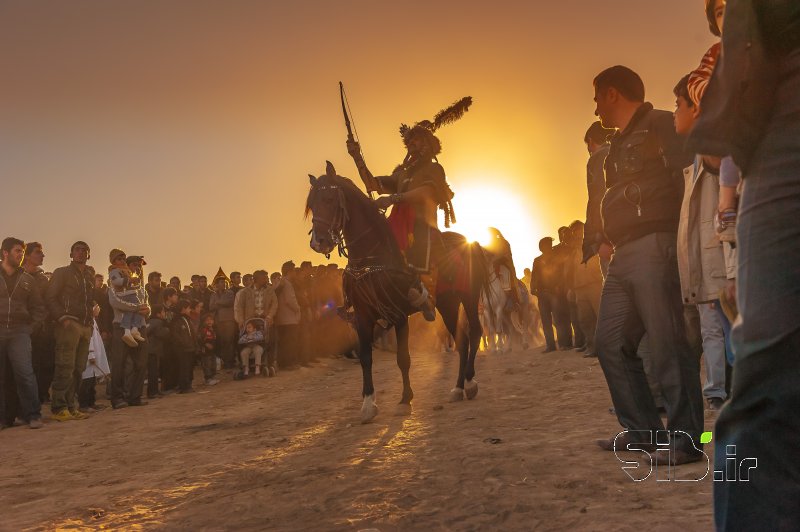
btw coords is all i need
(127, 285)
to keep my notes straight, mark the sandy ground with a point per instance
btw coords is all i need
(289, 454)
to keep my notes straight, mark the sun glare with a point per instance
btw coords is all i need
(479, 207)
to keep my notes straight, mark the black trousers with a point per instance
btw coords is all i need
(87, 395)
(546, 310)
(288, 345)
(153, 373)
(185, 369)
(128, 368)
(575, 321)
(168, 365)
(43, 352)
(227, 331)
(642, 294)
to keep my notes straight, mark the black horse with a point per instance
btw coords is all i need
(377, 280)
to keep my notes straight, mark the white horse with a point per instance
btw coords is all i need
(494, 301)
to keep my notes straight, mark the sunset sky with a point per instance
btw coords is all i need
(184, 130)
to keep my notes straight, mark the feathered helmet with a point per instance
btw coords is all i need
(426, 128)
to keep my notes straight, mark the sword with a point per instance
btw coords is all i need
(369, 183)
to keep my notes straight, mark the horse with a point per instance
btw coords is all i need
(377, 279)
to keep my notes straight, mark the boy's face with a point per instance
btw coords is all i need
(684, 115)
(209, 322)
(719, 13)
(249, 329)
(119, 262)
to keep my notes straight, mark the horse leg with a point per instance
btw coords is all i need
(448, 306)
(471, 311)
(404, 363)
(369, 408)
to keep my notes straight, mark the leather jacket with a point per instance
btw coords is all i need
(70, 295)
(20, 302)
(644, 177)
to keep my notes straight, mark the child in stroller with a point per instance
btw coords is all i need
(252, 342)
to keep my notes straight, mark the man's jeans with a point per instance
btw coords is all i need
(642, 294)
(762, 418)
(15, 346)
(713, 350)
(72, 352)
(128, 368)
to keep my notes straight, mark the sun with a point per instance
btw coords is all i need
(479, 207)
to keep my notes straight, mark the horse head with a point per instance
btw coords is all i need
(326, 203)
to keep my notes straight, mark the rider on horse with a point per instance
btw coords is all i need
(500, 251)
(416, 190)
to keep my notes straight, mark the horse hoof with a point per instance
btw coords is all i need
(471, 389)
(456, 394)
(403, 409)
(369, 409)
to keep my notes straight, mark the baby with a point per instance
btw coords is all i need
(251, 339)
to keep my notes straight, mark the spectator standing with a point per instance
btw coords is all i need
(288, 319)
(594, 238)
(236, 282)
(157, 337)
(128, 362)
(701, 260)
(759, 126)
(641, 294)
(21, 311)
(154, 288)
(208, 344)
(544, 280)
(168, 362)
(587, 285)
(221, 305)
(258, 301)
(70, 300)
(42, 339)
(184, 345)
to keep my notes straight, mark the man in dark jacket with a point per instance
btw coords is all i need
(750, 111)
(42, 341)
(545, 286)
(70, 300)
(594, 239)
(221, 304)
(21, 310)
(640, 209)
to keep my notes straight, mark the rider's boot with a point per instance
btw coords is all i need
(423, 298)
(429, 282)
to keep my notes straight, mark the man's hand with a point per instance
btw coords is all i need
(144, 310)
(730, 289)
(354, 149)
(269, 320)
(605, 251)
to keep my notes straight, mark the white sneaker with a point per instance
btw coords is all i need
(128, 338)
(137, 335)
(211, 382)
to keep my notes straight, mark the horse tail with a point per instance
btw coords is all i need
(479, 271)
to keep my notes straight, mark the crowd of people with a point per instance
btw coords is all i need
(61, 331)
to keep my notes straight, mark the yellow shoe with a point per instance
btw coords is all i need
(77, 414)
(64, 415)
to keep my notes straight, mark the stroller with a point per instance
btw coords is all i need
(253, 344)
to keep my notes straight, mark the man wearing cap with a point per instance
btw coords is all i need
(70, 300)
(128, 363)
(258, 301)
